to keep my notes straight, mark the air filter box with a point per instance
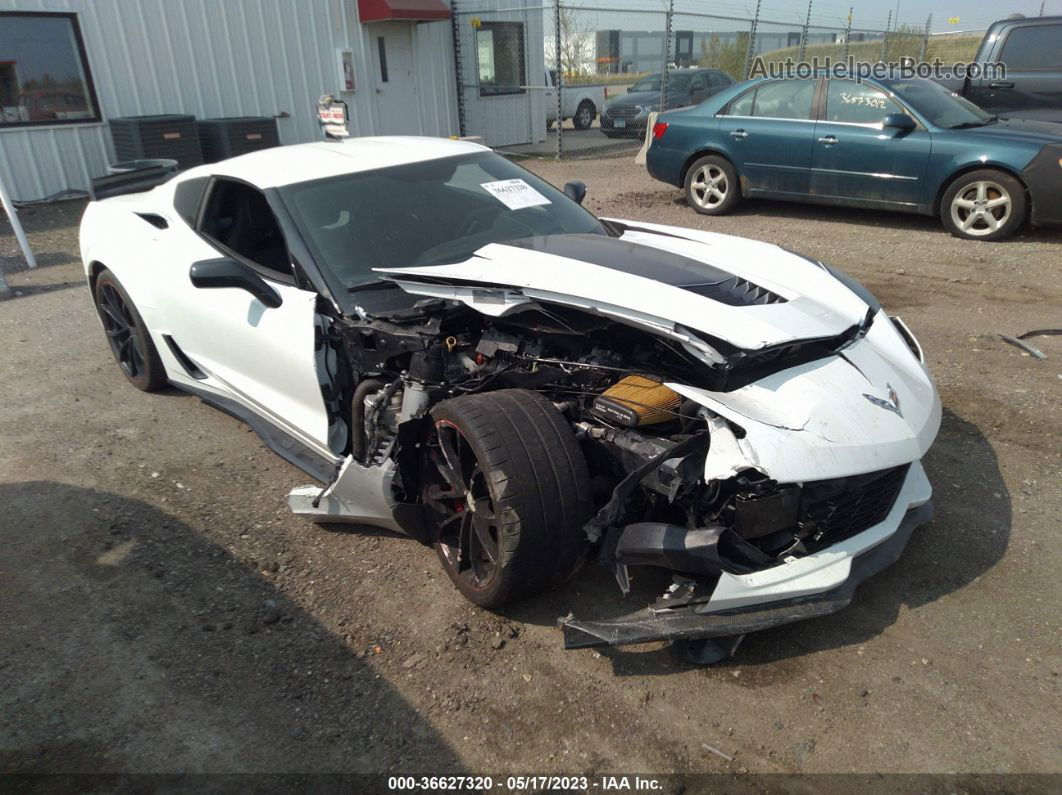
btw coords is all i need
(636, 400)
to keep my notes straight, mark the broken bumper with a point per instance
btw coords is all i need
(815, 585)
(1043, 177)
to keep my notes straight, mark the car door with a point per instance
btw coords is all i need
(1032, 86)
(550, 95)
(855, 158)
(769, 131)
(263, 357)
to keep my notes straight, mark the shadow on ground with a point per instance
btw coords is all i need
(133, 644)
(968, 536)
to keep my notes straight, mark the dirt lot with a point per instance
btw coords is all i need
(163, 611)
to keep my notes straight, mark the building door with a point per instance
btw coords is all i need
(397, 112)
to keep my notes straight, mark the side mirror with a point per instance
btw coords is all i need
(899, 121)
(575, 190)
(225, 272)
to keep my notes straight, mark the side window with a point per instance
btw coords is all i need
(857, 103)
(238, 218)
(785, 99)
(718, 79)
(742, 106)
(187, 196)
(1033, 47)
(699, 85)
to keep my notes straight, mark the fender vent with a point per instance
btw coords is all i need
(189, 366)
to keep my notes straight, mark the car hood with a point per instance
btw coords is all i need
(871, 407)
(688, 284)
(1028, 130)
(647, 98)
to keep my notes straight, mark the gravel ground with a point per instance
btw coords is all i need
(163, 611)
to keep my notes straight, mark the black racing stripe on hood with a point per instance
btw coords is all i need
(652, 263)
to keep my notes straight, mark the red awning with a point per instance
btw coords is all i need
(409, 10)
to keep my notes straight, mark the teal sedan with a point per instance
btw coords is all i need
(901, 145)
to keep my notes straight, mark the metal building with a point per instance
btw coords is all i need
(67, 66)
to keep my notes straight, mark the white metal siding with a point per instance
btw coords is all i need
(215, 58)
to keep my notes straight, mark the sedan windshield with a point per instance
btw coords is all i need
(940, 106)
(427, 213)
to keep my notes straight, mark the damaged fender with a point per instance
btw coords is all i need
(358, 495)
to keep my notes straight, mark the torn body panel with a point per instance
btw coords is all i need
(815, 421)
(358, 495)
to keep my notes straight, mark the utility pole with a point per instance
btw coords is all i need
(560, 79)
(804, 33)
(847, 34)
(752, 42)
(925, 38)
(667, 55)
(885, 39)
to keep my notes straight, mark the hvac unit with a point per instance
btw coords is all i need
(223, 138)
(152, 137)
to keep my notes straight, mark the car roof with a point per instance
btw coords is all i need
(286, 165)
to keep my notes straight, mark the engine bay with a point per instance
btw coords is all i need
(645, 444)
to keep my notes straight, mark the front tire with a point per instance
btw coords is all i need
(128, 337)
(712, 186)
(983, 205)
(584, 115)
(509, 492)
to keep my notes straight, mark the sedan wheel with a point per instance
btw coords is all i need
(709, 186)
(712, 186)
(981, 208)
(983, 205)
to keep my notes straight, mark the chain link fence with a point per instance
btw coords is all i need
(573, 78)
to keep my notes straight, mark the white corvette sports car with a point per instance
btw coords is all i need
(457, 350)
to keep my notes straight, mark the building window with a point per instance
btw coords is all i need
(500, 49)
(44, 75)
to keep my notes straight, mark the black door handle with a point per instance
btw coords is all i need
(1001, 84)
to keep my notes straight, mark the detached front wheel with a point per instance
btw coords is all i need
(508, 491)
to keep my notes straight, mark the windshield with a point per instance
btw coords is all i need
(652, 83)
(940, 106)
(427, 213)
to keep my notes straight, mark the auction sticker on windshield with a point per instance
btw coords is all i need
(515, 193)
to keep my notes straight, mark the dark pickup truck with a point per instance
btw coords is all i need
(1031, 49)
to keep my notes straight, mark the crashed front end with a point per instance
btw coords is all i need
(803, 485)
(760, 440)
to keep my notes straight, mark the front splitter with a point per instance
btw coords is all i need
(686, 623)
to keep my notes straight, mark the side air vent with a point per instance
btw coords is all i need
(189, 366)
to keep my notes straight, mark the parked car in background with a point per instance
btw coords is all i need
(1031, 49)
(907, 146)
(628, 114)
(52, 104)
(580, 103)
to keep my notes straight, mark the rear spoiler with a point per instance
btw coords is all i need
(132, 176)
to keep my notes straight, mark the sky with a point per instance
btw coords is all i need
(972, 14)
